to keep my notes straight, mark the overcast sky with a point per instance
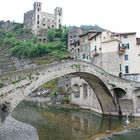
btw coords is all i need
(114, 15)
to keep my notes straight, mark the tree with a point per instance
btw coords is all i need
(51, 35)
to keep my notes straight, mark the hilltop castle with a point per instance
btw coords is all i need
(36, 19)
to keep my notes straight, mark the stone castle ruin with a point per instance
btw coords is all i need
(36, 20)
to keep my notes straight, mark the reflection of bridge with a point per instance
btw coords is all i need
(19, 84)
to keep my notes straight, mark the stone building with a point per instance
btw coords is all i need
(36, 19)
(74, 40)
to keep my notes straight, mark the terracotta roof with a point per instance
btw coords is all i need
(94, 35)
(138, 41)
(90, 31)
(124, 33)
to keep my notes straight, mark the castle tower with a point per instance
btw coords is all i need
(37, 9)
(58, 17)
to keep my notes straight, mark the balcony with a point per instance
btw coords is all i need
(94, 53)
(121, 50)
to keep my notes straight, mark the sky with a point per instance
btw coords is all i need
(114, 15)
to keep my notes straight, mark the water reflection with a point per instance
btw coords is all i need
(63, 124)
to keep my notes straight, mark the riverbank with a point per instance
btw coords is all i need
(12, 129)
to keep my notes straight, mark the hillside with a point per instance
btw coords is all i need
(18, 46)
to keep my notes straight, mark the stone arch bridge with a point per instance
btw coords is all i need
(19, 84)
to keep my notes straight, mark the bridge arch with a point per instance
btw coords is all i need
(94, 76)
(99, 87)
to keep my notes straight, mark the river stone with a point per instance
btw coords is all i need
(12, 129)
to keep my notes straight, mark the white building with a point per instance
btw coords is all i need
(116, 53)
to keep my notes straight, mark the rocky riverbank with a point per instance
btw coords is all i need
(12, 129)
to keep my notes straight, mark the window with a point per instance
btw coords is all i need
(37, 22)
(126, 57)
(85, 91)
(59, 20)
(126, 69)
(125, 36)
(120, 67)
(95, 49)
(52, 26)
(44, 39)
(37, 16)
(95, 38)
(84, 56)
(78, 43)
(59, 14)
(125, 46)
(38, 9)
(37, 26)
(44, 24)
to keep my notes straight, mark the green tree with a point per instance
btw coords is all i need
(51, 35)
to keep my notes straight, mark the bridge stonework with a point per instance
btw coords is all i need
(20, 84)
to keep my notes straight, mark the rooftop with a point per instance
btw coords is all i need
(90, 31)
(124, 33)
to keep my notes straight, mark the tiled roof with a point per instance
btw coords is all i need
(90, 31)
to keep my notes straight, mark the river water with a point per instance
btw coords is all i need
(55, 123)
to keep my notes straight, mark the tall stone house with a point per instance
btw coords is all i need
(36, 20)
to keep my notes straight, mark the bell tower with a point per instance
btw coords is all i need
(58, 17)
(37, 9)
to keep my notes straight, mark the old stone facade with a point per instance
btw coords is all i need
(36, 19)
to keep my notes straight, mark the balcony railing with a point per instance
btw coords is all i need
(121, 50)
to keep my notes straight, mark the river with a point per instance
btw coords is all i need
(55, 123)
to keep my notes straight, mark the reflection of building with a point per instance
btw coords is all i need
(36, 19)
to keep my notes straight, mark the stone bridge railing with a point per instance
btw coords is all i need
(15, 82)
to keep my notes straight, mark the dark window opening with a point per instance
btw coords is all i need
(44, 24)
(40, 40)
(37, 26)
(120, 67)
(52, 26)
(37, 16)
(44, 40)
(37, 22)
(59, 14)
(59, 20)
(84, 56)
(95, 49)
(126, 69)
(38, 9)
(126, 57)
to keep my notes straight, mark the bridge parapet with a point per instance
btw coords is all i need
(19, 84)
